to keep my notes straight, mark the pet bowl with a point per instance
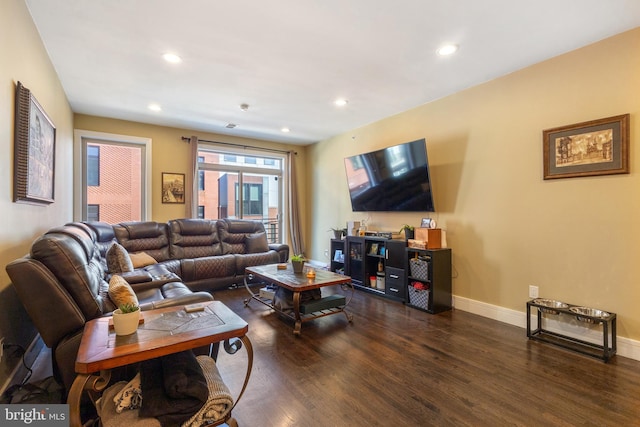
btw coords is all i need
(549, 305)
(589, 315)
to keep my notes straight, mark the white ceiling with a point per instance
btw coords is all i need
(290, 59)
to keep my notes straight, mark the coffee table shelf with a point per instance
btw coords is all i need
(298, 283)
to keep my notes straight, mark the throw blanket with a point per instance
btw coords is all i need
(216, 408)
(174, 388)
(219, 402)
(130, 397)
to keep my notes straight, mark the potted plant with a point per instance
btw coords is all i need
(408, 231)
(126, 319)
(338, 232)
(297, 262)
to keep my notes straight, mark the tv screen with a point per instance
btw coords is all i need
(392, 179)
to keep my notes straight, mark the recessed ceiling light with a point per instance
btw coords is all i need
(447, 49)
(244, 107)
(285, 130)
(341, 102)
(172, 58)
(155, 107)
(231, 125)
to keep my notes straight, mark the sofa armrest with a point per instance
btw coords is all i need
(136, 276)
(282, 249)
(191, 298)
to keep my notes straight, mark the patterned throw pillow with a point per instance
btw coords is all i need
(120, 292)
(118, 260)
(256, 243)
(141, 259)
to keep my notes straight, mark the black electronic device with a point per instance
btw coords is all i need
(391, 179)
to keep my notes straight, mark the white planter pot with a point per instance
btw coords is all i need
(125, 323)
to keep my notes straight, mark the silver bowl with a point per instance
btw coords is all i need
(550, 305)
(592, 313)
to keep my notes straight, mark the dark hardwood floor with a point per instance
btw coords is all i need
(397, 366)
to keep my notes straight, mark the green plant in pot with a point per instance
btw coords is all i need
(408, 231)
(126, 318)
(297, 262)
(338, 232)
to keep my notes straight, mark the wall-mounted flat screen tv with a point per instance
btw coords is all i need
(394, 179)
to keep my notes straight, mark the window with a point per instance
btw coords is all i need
(201, 212)
(93, 165)
(200, 175)
(93, 212)
(241, 186)
(112, 182)
(251, 199)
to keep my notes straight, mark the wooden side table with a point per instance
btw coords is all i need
(164, 331)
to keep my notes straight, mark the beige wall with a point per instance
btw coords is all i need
(508, 228)
(23, 58)
(171, 154)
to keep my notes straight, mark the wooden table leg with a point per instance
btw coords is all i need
(296, 312)
(90, 382)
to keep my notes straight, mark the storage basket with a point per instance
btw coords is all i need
(419, 268)
(419, 297)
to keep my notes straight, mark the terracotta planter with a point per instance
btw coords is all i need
(125, 323)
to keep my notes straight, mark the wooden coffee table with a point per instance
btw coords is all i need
(164, 331)
(297, 283)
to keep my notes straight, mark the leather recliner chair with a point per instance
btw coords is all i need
(62, 285)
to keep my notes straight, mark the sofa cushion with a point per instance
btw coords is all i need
(118, 260)
(233, 232)
(150, 237)
(193, 238)
(256, 243)
(121, 292)
(141, 259)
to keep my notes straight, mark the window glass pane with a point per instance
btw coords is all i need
(118, 195)
(259, 196)
(93, 165)
(93, 212)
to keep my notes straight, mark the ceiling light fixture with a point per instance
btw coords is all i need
(155, 107)
(244, 107)
(447, 49)
(172, 58)
(285, 130)
(341, 102)
(231, 125)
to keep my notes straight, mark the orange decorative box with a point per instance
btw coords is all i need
(432, 236)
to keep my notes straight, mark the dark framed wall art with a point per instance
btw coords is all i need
(34, 151)
(597, 147)
(172, 187)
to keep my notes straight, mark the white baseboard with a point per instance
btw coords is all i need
(563, 324)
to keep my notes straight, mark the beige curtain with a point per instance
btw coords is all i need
(191, 203)
(295, 228)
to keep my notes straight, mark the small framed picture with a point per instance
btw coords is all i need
(172, 187)
(373, 250)
(338, 256)
(426, 223)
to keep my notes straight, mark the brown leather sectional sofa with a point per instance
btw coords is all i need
(63, 281)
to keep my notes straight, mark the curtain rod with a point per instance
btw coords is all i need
(196, 139)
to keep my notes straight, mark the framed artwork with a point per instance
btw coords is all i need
(597, 147)
(34, 151)
(172, 187)
(373, 250)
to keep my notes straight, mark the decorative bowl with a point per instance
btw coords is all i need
(550, 305)
(589, 315)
